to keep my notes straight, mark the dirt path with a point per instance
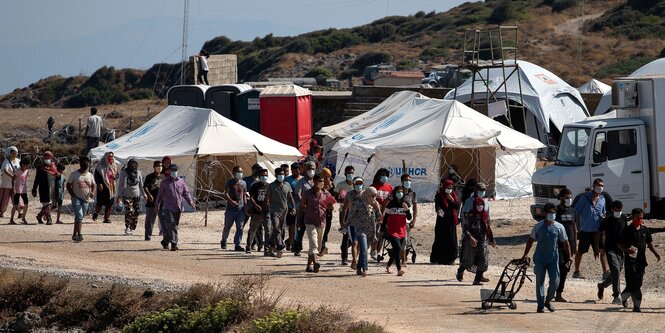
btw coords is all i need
(426, 299)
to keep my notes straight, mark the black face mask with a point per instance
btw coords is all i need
(83, 166)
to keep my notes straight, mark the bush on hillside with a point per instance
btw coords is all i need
(319, 71)
(371, 58)
(560, 5)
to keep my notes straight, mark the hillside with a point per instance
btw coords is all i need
(601, 39)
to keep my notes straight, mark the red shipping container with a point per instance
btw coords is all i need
(286, 115)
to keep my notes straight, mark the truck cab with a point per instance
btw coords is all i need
(620, 147)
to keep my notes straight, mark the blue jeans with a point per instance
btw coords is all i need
(233, 216)
(79, 207)
(362, 250)
(552, 269)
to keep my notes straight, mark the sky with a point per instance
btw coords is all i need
(41, 38)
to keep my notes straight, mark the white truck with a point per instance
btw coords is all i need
(625, 147)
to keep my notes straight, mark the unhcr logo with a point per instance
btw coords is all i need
(399, 171)
(142, 131)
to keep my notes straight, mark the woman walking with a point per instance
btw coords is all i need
(397, 214)
(130, 188)
(444, 249)
(365, 214)
(45, 182)
(477, 234)
(105, 175)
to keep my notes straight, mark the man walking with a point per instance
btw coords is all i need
(258, 210)
(291, 218)
(278, 198)
(235, 208)
(313, 206)
(151, 189)
(343, 188)
(634, 240)
(304, 184)
(567, 216)
(93, 130)
(611, 229)
(81, 187)
(591, 209)
(549, 234)
(172, 191)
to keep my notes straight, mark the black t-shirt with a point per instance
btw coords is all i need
(637, 238)
(152, 182)
(567, 217)
(613, 228)
(258, 192)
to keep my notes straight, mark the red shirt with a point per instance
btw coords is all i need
(383, 191)
(316, 204)
(396, 225)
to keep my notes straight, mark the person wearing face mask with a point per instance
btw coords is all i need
(313, 206)
(477, 234)
(291, 218)
(352, 209)
(567, 216)
(151, 189)
(549, 234)
(9, 166)
(411, 200)
(172, 191)
(105, 175)
(444, 248)
(81, 187)
(258, 210)
(591, 209)
(397, 214)
(344, 187)
(249, 181)
(481, 192)
(634, 241)
(304, 184)
(278, 198)
(130, 191)
(235, 208)
(326, 174)
(611, 229)
(383, 190)
(45, 182)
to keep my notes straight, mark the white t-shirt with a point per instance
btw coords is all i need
(82, 184)
(204, 64)
(5, 180)
(94, 126)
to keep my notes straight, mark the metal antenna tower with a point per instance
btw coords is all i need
(183, 60)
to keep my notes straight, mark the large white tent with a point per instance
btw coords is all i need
(205, 144)
(547, 97)
(429, 135)
(656, 67)
(594, 86)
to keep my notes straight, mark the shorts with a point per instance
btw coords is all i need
(17, 196)
(352, 234)
(586, 239)
(290, 219)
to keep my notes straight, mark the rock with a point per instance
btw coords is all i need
(26, 321)
(94, 286)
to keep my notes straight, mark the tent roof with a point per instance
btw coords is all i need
(358, 123)
(542, 92)
(656, 67)
(285, 90)
(424, 123)
(594, 86)
(188, 131)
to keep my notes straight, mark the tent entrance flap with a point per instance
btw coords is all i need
(471, 163)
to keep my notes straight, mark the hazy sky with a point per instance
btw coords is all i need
(45, 37)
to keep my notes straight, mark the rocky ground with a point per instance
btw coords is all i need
(427, 298)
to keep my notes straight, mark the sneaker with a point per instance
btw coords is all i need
(239, 248)
(259, 248)
(39, 219)
(24, 221)
(49, 222)
(624, 302)
(484, 279)
(74, 238)
(297, 254)
(147, 238)
(617, 300)
(600, 291)
(174, 247)
(248, 251)
(253, 247)
(12, 221)
(79, 237)
(550, 307)
(372, 254)
(560, 299)
(95, 216)
(309, 270)
(127, 233)
(345, 263)
(400, 272)
(165, 244)
(460, 276)
(106, 221)
(58, 222)
(636, 309)
(540, 310)
(223, 245)
(280, 247)
(577, 275)
(316, 267)
(477, 283)
(288, 245)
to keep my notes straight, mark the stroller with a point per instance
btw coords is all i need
(386, 246)
(509, 285)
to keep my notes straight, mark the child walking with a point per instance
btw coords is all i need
(21, 191)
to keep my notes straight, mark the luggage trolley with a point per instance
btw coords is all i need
(509, 285)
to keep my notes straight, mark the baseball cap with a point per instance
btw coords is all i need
(174, 167)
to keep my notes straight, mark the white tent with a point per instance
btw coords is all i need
(203, 143)
(594, 86)
(656, 67)
(546, 96)
(429, 135)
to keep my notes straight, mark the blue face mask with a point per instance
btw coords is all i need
(349, 177)
(264, 179)
(280, 178)
(406, 184)
(551, 217)
(238, 175)
(481, 194)
(399, 195)
(174, 174)
(383, 179)
(358, 187)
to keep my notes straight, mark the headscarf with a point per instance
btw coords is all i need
(51, 169)
(9, 151)
(366, 196)
(164, 166)
(444, 201)
(102, 166)
(132, 172)
(478, 201)
(327, 178)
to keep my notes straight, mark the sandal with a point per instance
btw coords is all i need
(401, 272)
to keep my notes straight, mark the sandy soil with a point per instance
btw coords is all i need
(427, 298)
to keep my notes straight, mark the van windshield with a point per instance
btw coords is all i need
(574, 141)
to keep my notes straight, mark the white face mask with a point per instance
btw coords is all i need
(349, 177)
(406, 184)
(617, 214)
(480, 208)
(551, 217)
(310, 173)
(481, 194)
(399, 195)
(47, 162)
(358, 187)
(238, 175)
(599, 189)
(280, 178)
(449, 190)
(568, 202)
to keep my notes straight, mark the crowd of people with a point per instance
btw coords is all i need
(298, 207)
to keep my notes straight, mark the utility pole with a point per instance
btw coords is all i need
(183, 60)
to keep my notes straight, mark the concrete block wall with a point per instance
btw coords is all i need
(223, 69)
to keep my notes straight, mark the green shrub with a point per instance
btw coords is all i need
(560, 5)
(371, 58)
(623, 67)
(322, 71)
(277, 322)
(432, 53)
(169, 321)
(215, 318)
(141, 94)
